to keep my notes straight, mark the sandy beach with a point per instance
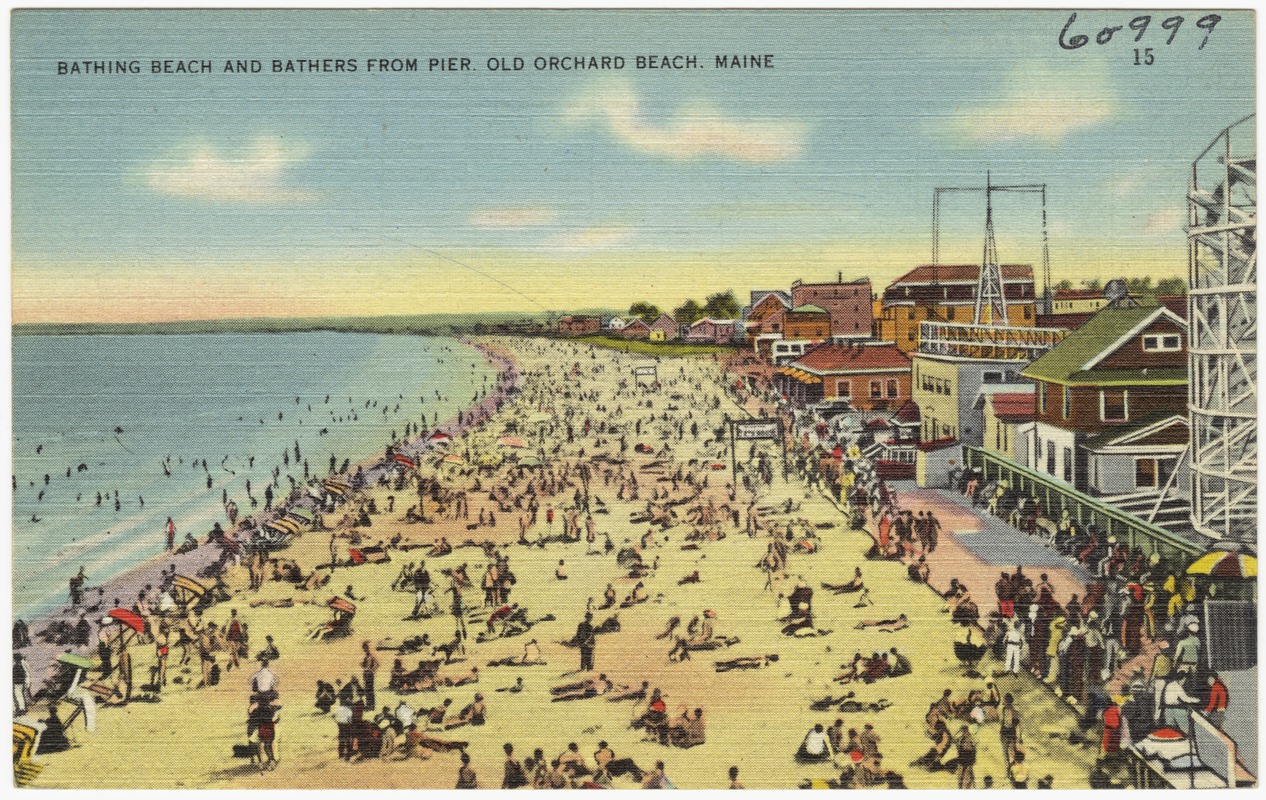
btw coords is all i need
(570, 405)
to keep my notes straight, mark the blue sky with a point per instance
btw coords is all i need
(152, 196)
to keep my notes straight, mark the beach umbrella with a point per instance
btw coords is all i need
(440, 436)
(451, 458)
(529, 461)
(128, 618)
(77, 661)
(1224, 564)
(401, 458)
(511, 441)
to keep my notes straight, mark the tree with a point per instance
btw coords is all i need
(1094, 284)
(722, 305)
(1171, 286)
(1064, 284)
(688, 313)
(649, 312)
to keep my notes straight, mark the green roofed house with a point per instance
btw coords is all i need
(1107, 399)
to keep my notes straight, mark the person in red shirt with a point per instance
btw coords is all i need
(1111, 741)
(1215, 709)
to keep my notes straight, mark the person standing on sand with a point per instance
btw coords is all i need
(369, 666)
(333, 551)
(586, 640)
(466, 777)
(171, 535)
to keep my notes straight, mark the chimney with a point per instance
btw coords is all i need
(839, 276)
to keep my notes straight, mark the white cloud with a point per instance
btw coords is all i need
(513, 217)
(1039, 102)
(1166, 220)
(691, 133)
(254, 175)
(596, 238)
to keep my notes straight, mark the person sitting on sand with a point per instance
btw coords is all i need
(472, 714)
(560, 572)
(855, 585)
(608, 597)
(436, 716)
(325, 698)
(654, 716)
(815, 748)
(572, 762)
(918, 571)
(638, 595)
(691, 732)
(898, 664)
(398, 675)
(885, 625)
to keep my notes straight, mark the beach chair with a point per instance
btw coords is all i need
(341, 624)
(26, 740)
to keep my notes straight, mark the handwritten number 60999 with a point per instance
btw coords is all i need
(1139, 25)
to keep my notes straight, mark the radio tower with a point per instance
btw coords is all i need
(990, 295)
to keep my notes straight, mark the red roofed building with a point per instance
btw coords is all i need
(1007, 415)
(947, 293)
(848, 305)
(872, 376)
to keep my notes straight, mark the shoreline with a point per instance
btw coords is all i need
(40, 655)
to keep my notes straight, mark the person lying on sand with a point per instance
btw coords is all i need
(855, 585)
(591, 687)
(531, 657)
(746, 662)
(515, 688)
(638, 694)
(886, 625)
(691, 578)
(470, 676)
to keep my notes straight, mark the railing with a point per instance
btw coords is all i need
(1082, 508)
(987, 341)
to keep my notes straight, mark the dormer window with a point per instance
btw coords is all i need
(1162, 343)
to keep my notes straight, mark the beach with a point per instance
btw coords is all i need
(567, 405)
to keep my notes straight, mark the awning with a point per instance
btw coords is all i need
(128, 618)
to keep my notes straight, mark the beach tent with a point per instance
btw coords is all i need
(303, 514)
(511, 441)
(187, 590)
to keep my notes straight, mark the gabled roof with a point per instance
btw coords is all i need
(962, 272)
(842, 358)
(1104, 333)
(664, 319)
(1014, 406)
(809, 308)
(1159, 432)
(635, 322)
(908, 414)
(757, 295)
(1176, 303)
(713, 321)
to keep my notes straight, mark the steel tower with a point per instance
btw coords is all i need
(1222, 334)
(991, 298)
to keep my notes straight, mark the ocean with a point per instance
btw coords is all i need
(136, 417)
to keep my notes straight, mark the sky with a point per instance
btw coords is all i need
(149, 197)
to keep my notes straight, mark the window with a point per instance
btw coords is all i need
(892, 388)
(991, 377)
(1165, 343)
(1152, 473)
(949, 313)
(1113, 405)
(910, 313)
(1068, 402)
(876, 390)
(1050, 458)
(843, 388)
(1041, 398)
(1068, 465)
(997, 437)
(1028, 312)
(1145, 473)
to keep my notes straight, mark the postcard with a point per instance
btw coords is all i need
(635, 399)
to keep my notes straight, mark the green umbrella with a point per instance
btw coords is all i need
(539, 416)
(77, 661)
(529, 461)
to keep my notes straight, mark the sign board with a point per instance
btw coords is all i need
(748, 430)
(640, 371)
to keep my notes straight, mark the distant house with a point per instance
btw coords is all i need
(848, 305)
(636, 329)
(714, 331)
(871, 376)
(1077, 301)
(759, 316)
(807, 322)
(615, 323)
(1124, 370)
(579, 326)
(663, 329)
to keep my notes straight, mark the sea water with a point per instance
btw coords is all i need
(120, 412)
